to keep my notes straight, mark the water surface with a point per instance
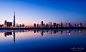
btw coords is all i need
(43, 40)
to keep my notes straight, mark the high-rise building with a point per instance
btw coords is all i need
(42, 23)
(9, 24)
(23, 25)
(37, 25)
(34, 25)
(54, 25)
(66, 24)
(69, 24)
(80, 25)
(75, 25)
(47, 25)
(14, 20)
(5, 22)
(61, 24)
(20, 25)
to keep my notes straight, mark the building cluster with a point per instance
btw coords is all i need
(9, 24)
(55, 25)
(20, 25)
(50, 25)
(42, 25)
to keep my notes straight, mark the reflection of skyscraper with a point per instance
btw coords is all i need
(14, 37)
(61, 31)
(14, 20)
(34, 31)
(54, 31)
(42, 32)
(8, 33)
(37, 30)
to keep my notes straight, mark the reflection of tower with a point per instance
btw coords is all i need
(54, 31)
(34, 31)
(14, 20)
(7, 33)
(42, 32)
(14, 37)
(61, 31)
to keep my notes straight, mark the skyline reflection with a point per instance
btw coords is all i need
(42, 32)
(33, 38)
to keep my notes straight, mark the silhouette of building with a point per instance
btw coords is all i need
(75, 25)
(17, 25)
(61, 24)
(20, 25)
(9, 24)
(66, 24)
(54, 25)
(14, 20)
(34, 25)
(47, 25)
(37, 25)
(80, 25)
(57, 25)
(42, 23)
(5, 23)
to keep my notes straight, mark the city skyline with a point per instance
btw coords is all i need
(30, 12)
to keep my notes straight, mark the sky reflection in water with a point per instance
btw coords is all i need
(42, 40)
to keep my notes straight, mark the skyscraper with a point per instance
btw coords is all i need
(61, 24)
(42, 23)
(75, 25)
(54, 25)
(66, 24)
(37, 25)
(34, 25)
(14, 20)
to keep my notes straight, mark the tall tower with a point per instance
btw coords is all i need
(14, 20)
(42, 23)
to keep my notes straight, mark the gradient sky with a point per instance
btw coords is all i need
(33, 11)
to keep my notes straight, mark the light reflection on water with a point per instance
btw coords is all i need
(42, 40)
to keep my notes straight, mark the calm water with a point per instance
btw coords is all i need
(42, 40)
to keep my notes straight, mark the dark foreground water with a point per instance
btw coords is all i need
(55, 40)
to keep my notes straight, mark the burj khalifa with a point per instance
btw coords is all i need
(14, 20)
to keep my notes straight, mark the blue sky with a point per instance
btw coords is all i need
(33, 11)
